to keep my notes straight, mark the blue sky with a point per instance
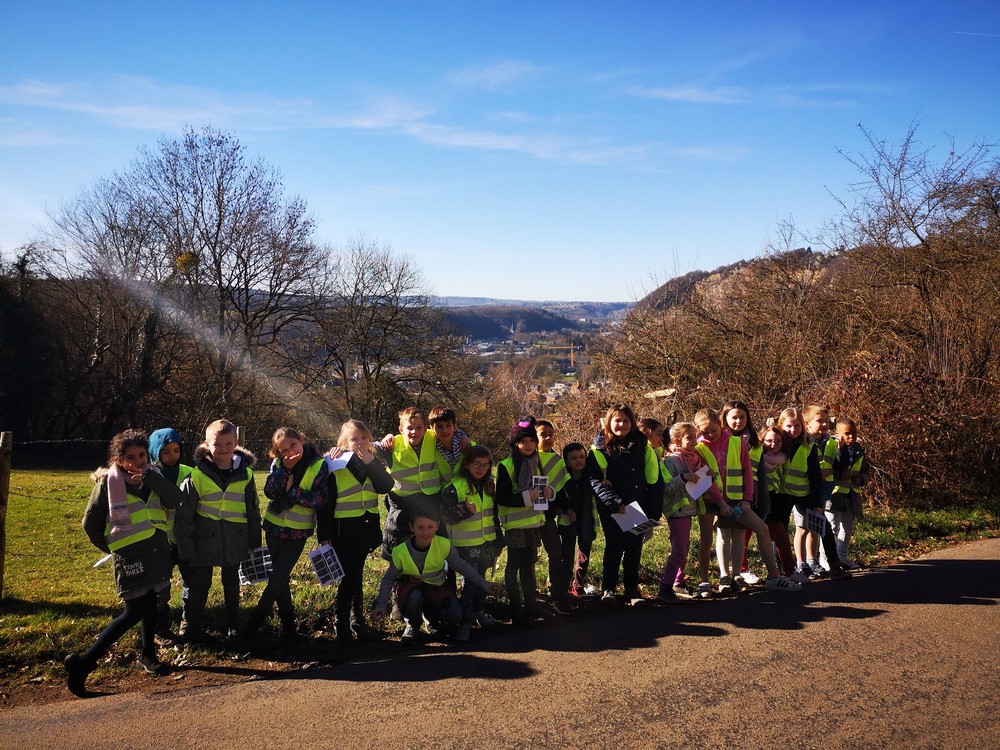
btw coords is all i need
(534, 150)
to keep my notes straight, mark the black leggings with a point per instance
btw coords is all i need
(141, 609)
(520, 565)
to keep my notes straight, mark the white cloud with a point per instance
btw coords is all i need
(693, 94)
(494, 77)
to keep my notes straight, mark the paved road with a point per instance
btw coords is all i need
(901, 657)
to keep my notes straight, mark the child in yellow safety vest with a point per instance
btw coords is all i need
(296, 487)
(736, 418)
(412, 458)
(165, 449)
(350, 522)
(126, 518)
(472, 528)
(418, 573)
(217, 524)
(516, 495)
(850, 473)
(579, 522)
(553, 468)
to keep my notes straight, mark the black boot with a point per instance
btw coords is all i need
(77, 671)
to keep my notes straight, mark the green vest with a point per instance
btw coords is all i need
(552, 466)
(513, 517)
(221, 504)
(434, 572)
(795, 481)
(412, 473)
(145, 517)
(478, 528)
(651, 468)
(844, 487)
(298, 516)
(353, 498)
(827, 455)
(734, 468)
(445, 469)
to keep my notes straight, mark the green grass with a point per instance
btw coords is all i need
(55, 602)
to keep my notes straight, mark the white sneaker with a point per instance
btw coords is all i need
(591, 590)
(798, 577)
(780, 583)
(750, 577)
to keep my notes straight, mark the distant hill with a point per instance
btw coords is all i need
(492, 319)
(494, 322)
(676, 291)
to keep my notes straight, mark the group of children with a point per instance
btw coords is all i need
(451, 511)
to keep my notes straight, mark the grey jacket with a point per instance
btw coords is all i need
(210, 541)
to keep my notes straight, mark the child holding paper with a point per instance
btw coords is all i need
(350, 522)
(296, 488)
(622, 471)
(516, 495)
(681, 464)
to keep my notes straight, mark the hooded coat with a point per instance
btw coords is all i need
(210, 541)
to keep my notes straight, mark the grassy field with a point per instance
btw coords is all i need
(55, 602)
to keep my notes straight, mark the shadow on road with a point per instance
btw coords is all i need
(950, 582)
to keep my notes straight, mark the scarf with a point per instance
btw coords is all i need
(773, 460)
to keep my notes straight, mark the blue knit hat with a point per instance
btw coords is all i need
(160, 438)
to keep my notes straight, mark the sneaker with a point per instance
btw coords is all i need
(464, 633)
(750, 578)
(817, 569)
(781, 583)
(636, 599)
(76, 675)
(739, 584)
(561, 608)
(704, 591)
(431, 628)
(815, 574)
(683, 592)
(849, 564)
(725, 585)
(798, 577)
(608, 599)
(484, 621)
(409, 636)
(591, 590)
(666, 596)
(152, 665)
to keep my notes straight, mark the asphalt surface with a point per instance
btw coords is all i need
(899, 657)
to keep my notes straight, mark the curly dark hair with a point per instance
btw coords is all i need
(124, 440)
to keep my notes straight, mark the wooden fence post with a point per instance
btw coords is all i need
(6, 443)
(240, 434)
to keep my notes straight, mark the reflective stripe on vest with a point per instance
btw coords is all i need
(513, 517)
(795, 481)
(353, 498)
(413, 474)
(145, 517)
(298, 516)
(218, 504)
(434, 572)
(553, 467)
(734, 470)
(479, 527)
(843, 487)
(706, 453)
(183, 472)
